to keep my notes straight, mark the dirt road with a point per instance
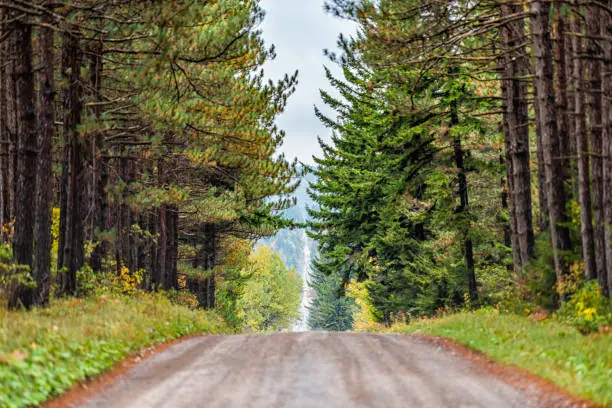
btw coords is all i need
(309, 370)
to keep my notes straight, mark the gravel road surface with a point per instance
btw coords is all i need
(308, 370)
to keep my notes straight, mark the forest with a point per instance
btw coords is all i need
(463, 192)
(470, 164)
(137, 140)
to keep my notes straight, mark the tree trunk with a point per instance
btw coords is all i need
(171, 279)
(571, 97)
(463, 208)
(44, 179)
(554, 171)
(582, 144)
(210, 255)
(27, 157)
(153, 250)
(13, 121)
(606, 31)
(159, 278)
(561, 71)
(594, 95)
(513, 238)
(73, 250)
(99, 166)
(543, 219)
(4, 136)
(514, 94)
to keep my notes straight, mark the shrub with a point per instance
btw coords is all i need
(587, 309)
(12, 275)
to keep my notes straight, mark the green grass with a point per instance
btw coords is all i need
(46, 351)
(579, 364)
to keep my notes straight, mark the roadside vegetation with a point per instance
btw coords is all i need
(46, 351)
(139, 165)
(271, 297)
(456, 178)
(579, 363)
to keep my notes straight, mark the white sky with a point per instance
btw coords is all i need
(301, 30)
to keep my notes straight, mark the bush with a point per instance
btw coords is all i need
(587, 309)
(12, 276)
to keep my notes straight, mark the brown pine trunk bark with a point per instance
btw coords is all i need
(554, 171)
(4, 136)
(46, 118)
(561, 99)
(582, 144)
(463, 208)
(606, 113)
(205, 246)
(573, 164)
(593, 87)
(542, 193)
(514, 93)
(512, 241)
(153, 270)
(99, 166)
(27, 157)
(171, 278)
(210, 258)
(73, 249)
(175, 259)
(159, 278)
(12, 120)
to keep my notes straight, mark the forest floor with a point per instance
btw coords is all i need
(317, 369)
(578, 363)
(46, 351)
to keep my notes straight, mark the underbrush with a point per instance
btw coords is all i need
(579, 363)
(45, 351)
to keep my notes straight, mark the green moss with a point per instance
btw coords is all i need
(580, 364)
(45, 351)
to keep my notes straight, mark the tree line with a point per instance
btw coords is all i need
(138, 135)
(471, 157)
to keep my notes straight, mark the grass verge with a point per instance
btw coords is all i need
(46, 351)
(580, 364)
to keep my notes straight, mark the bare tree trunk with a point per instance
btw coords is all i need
(12, 121)
(153, 222)
(170, 278)
(594, 95)
(561, 71)
(514, 93)
(606, 31)
(582, 143)
(4, 136)
(210, 258)
(512, 241)
(571, 97)
(99, 165)
(27, 157)
(554, 171)
(159, 278)
(73, 251)
(46, 118)
(542, 192)
(463, 208)
(174, 215)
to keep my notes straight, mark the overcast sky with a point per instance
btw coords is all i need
(301, 30)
